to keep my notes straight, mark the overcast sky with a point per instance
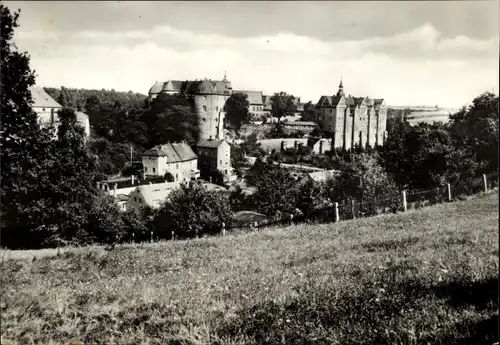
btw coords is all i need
(443, 53)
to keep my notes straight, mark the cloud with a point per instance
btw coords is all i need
(418, 66)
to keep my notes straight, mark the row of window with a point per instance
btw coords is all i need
(216, 108)
(257, 108)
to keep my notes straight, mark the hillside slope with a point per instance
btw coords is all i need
(428, 276)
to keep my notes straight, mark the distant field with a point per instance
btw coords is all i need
(425, 277)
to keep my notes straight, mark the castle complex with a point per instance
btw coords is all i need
(352, 120)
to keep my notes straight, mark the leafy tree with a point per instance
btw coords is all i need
(277, 190)
(282, 105)
(22, 142)
(476, 128)
(169, 177)
(362, 178)
(311, 195)
(192, 211)
(237, 110)
(171, 118)
(309, 113)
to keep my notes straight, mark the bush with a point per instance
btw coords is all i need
(192, 211)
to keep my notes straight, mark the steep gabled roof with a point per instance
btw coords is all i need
(329, 101)
(209, 143)
(175, 152)
(254, 97)
(42, 99)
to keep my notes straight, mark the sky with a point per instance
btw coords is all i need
(409, 53)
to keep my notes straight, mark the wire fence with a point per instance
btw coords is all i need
(401, 202)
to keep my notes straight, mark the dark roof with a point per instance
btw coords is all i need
(189, 87)
(210, 143)
(329, 101)
(175, 152)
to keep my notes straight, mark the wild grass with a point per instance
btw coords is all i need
(425, 277)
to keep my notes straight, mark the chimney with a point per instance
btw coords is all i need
(210, 138)
(114, 190)
(133, 180)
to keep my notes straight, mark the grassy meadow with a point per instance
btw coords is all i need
(425, 277)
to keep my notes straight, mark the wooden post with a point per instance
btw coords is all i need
(353, 209)
(133, 237)
(151, 236)
(337, 218)
(485, 183)
(405, 205)
(449, 192)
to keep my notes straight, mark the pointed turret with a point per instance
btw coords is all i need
(341, 89)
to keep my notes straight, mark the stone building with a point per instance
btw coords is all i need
(215, 154)
(47, 110)
(207, 97)
(352, 120)
(176, 158)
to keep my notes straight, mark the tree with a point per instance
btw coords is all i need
(22, 142)
(282, 105)
(237, 110)
(169, 177)
(476, 128)
(192, 211)
(311, 195)
(171, 118)
(362, 178)
(309, 113)
(277, 191)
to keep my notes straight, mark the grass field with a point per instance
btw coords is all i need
(425, 277)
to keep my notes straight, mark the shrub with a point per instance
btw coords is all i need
(192, 211)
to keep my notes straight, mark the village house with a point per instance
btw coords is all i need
(47, 110)
(178, 159)
(352, 120)
(215, 154)
(151, 195)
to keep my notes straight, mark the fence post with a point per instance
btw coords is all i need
(405, 205)
(353, 210)
(337, 218)
(449, 192)
(133, 237)
(151, 236)
(485, 183)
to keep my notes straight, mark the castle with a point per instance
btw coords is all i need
(208, 97)
(352, 120)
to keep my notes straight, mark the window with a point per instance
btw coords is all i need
(145, 169)
(221, 161)
(216, 108)
(154, 170)
(176, 177)
(204, 108)
(135, 199)
(204, 119)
